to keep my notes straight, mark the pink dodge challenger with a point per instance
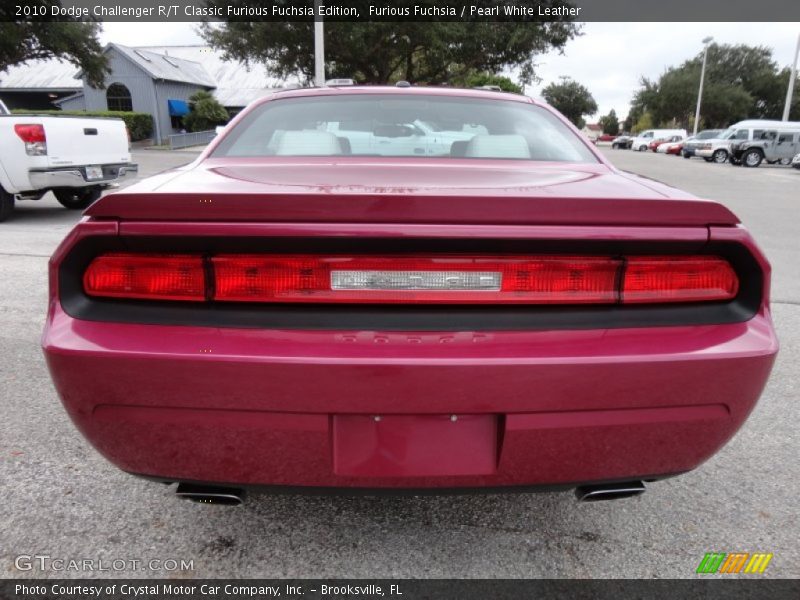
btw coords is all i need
(407, 289)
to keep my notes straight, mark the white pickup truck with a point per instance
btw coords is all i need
(74, 157)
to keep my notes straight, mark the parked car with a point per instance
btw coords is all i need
(673, 148)
(622, 142)
(774, 146)
(656, 146)
(472, 318)
(796, 161)
(607, 137)
(691, 143)
(74, 157)
(642, 141)
(718, 150)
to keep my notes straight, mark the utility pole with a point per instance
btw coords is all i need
(706, 41)
(790, 91)
(319, 46)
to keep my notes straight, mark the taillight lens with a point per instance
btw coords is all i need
(34, 137)
(150, 276)
(678, 279)
(412, 279)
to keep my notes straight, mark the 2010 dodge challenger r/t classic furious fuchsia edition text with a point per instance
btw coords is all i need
(407, 288)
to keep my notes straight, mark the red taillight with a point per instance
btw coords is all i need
(146, 276)
(678, 279)
(30, 133)
(411, 279)
(414, 279)
(34, 137)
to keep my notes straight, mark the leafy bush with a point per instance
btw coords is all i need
(140, 125)
(206, 112)
(645, 122)
(478, 79)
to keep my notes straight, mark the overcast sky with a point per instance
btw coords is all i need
(609, 58)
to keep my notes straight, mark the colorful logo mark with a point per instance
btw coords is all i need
(735, 562)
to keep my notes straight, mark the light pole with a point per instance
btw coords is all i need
(319, 46)
(792, 77)
(706, 41)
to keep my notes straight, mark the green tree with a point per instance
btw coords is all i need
(741, 81)
(571, 99)
(73, 41)
(644, 122)
(627, 124)
(385, 52)
(481, 79)
(783, 85)
(205, 112)
(610, 123)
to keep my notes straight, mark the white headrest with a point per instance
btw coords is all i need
(308, 143)
(498, 146)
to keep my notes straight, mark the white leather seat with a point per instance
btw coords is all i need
(308, 143)
(498, 146)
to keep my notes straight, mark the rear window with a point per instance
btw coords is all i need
(392, 126)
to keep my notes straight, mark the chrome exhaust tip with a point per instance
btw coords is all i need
(208, 494)
(609, 491)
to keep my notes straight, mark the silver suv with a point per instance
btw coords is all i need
(774, 146)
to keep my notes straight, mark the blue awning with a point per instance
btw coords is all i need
(177, 108)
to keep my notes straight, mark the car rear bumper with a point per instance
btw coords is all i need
(349, 409)
(41, 179)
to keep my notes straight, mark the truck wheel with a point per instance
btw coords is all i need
(752, 158)
(77, 198)
(720, 156)
(6, 204)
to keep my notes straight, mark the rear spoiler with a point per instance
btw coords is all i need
(400, 208)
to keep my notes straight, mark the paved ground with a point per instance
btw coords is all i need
(61, 499)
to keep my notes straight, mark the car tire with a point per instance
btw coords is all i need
(720, 156)
(6, 204)
(752, 158)
(77, 198)
(642, 148)
(784, 162)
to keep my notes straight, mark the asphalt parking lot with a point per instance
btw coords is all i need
(60, 498)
